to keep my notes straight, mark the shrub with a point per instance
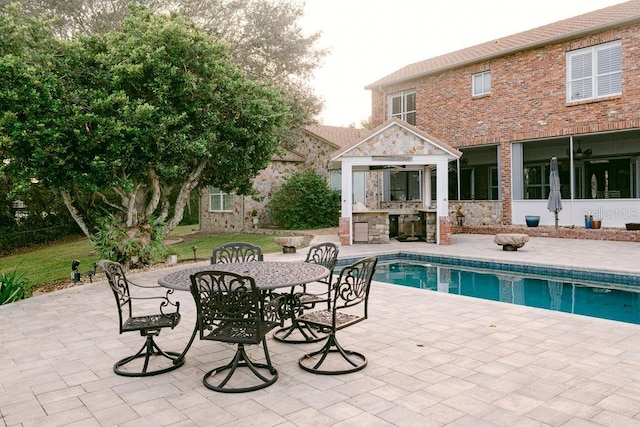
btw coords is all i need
(305, 201)
(115, 243)
(13, 286)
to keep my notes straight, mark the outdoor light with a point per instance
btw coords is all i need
(194, 248)
(75, 274)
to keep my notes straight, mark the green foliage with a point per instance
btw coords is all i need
(305, 201)
(113, 241)
(122, 118)
(13, 286)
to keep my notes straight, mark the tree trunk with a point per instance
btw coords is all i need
(75, 214)
(183, 198)
(154, 200)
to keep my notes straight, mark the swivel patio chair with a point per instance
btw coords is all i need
(232, 309)
(305, 297)
(148, 325)
(236, 252)
(350, 298)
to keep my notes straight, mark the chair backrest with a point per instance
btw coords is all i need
(352, 286)
(225, 299)
(236, 252)
(119, 286)
(325, 254)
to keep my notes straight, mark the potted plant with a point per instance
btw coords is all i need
(532, 220)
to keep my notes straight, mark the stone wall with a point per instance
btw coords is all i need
(477, 213)
(377, 226)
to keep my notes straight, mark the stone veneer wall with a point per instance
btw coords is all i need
(378, 226)
(477, 213)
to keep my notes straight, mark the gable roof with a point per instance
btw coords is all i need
(337, 136)
(578, 26)
(397, 122)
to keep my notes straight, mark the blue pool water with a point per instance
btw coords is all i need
(597, 294)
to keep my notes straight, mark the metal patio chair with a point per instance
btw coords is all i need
(148, 325)
(305, 297)
(350, 298)
(236, 252)
(232, 309)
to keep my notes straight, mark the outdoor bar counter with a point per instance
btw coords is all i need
(378, 226)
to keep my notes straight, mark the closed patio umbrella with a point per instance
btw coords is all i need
(555, 198)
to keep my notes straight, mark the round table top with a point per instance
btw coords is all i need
(267, 274)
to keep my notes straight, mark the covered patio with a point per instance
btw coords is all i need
(395, 163)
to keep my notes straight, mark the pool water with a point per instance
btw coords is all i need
(616, 298)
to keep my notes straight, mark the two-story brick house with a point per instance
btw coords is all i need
(569, 90)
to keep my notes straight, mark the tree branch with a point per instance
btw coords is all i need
(75, 214)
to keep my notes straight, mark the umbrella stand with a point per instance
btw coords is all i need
(555, 198)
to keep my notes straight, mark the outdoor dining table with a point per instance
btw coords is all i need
(268, 275)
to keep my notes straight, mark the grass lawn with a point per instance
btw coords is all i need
(50, 263)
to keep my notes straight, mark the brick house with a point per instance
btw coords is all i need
(231, 213)
(569, 90)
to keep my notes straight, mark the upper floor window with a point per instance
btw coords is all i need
(219, 201)
(481, 83)
(594, 72)
(403, 106)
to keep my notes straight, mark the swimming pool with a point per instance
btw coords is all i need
(606, 295)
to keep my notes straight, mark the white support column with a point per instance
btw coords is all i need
(442, 193)
(426, 184)
(347, 195)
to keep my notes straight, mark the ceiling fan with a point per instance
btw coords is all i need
(579, 154)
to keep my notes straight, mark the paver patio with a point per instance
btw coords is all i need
(435, 359)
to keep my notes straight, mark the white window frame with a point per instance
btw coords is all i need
(223, 200)
(405, 114)
(593, 72)
(481, 83)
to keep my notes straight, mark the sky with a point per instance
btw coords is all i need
(368, 39)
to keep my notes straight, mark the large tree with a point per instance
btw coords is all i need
(264, 39)
(120, 120)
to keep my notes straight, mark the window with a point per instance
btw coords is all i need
(594, 72)
(494, 184)
(535, 181)
(403, 106)
(358, 183)
(219, 201)
(481, 83)
(403, 186)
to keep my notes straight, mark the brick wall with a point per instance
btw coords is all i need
(527, 100)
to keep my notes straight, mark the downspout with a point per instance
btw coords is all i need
(458, 176)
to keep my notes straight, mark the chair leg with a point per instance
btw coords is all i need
(309, 335)
(356, 361)
(148, 350)
(240, 360)
(291, 334)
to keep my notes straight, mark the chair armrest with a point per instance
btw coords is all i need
(274, 307)
(166, 301)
